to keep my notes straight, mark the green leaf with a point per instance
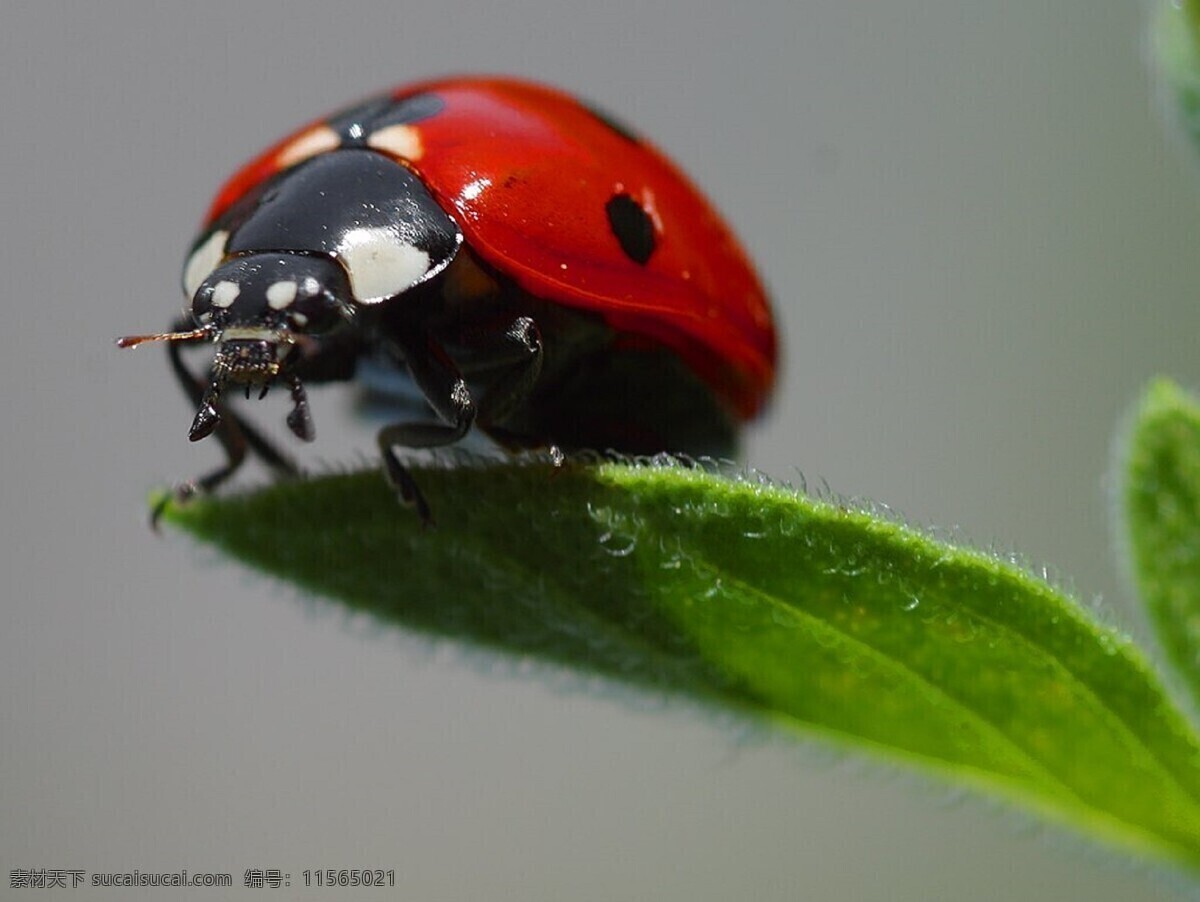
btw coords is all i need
(1162, 513)
(823, 619)
(1177, 43)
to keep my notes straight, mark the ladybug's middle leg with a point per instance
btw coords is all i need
(523, 344)
(442, 383)
(439, 379)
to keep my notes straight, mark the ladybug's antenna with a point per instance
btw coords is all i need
(132, 341)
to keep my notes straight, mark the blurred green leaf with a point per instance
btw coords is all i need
(1162, 508)
(752, 597)
(1177, 46)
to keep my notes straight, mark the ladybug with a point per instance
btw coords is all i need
(533, 267)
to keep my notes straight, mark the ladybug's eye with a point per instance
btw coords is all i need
(202, 311)
(211, 297)
(310, 307)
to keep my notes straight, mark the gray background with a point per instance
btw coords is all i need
(981, 244)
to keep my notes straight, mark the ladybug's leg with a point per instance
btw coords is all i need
(441, 381)
(524, 341)
(444, 388)
(234, 434)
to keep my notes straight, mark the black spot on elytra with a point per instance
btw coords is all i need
(613, 123)
(357, 123)
(632, 227)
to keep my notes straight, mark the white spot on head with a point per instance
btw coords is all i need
(309, 286)
(203, 261)
(300, 319)
(225, 293)
(316, 140)
(281, 294)
(380, 264)
(403, 141)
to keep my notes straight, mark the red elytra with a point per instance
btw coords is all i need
(526, 171)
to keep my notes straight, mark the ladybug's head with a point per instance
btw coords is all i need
(268, 301)
(259, 309)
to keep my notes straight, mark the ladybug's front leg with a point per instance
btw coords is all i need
(233, 432)
(444, 388)
(329, 359)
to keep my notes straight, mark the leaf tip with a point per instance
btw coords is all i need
(1164, 393)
